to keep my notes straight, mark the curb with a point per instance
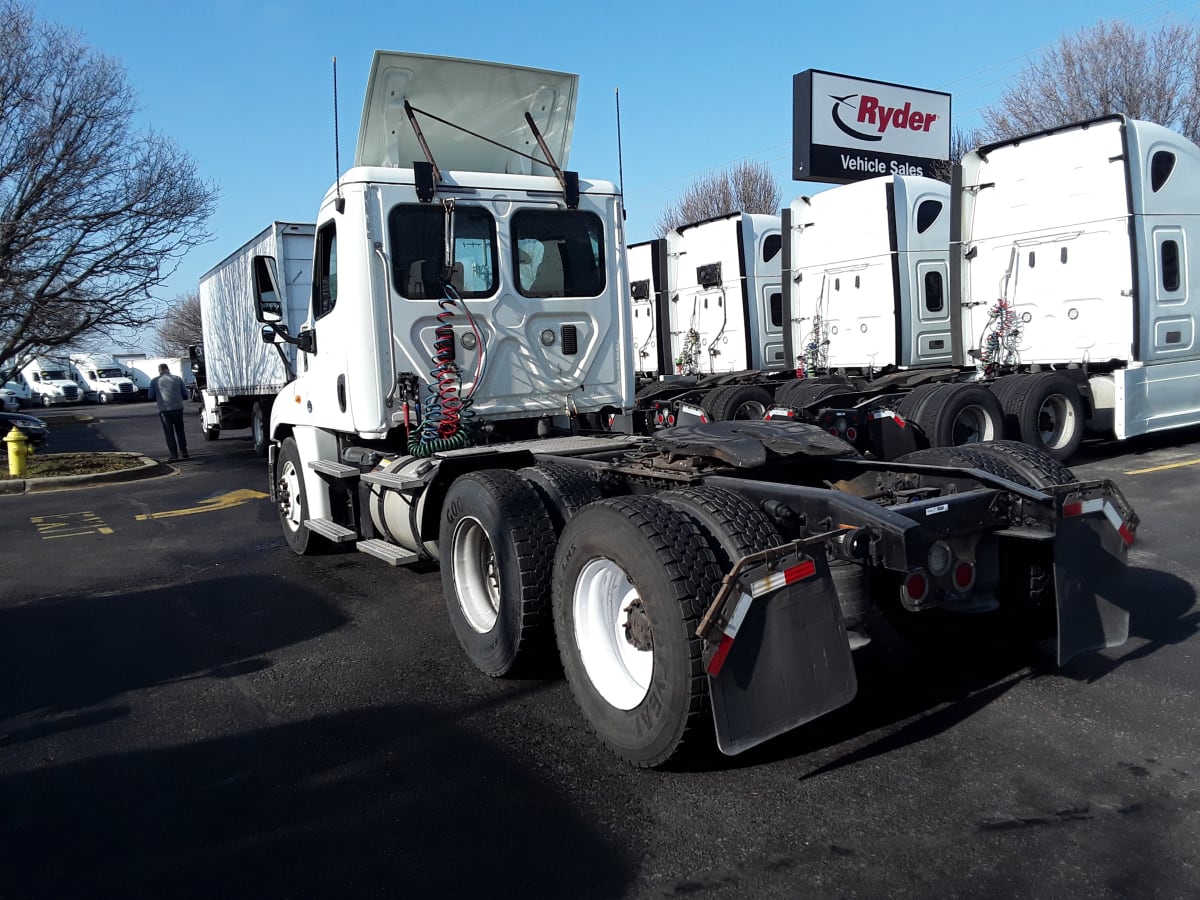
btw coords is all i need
(149, 468)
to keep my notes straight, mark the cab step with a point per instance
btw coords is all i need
(330, 530)
(395, 482)
(389, 553)
(334, 469)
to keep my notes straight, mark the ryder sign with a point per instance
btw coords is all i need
(847, 129)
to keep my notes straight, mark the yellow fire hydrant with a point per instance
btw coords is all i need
(19, 449)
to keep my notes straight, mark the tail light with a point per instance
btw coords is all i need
(916, 586)
(964, 575)
(852, 433)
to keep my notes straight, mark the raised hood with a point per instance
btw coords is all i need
(489, 99)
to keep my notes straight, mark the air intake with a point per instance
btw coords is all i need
(570, 340)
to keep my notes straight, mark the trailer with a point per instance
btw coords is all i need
(143, 369)
(1069, 303)
(242, 375)
(468, 343)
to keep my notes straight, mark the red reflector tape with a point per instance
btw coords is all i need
(772, 582)
(1078, 508)
(718, 660)
(777, 580)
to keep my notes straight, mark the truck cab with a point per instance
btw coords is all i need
(102, 379)
(462, 290)
(49, 381)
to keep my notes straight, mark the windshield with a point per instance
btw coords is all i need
(111, 373)
(54, 375)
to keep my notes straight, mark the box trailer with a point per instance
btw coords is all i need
(242, 374)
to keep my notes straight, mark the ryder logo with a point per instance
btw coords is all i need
(870, 114)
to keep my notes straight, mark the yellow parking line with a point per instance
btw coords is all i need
(1178, 465)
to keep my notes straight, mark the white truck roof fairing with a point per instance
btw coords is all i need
(726, 309)
(644, 279)
(490, 99)
(869, 266)
(1045, 225)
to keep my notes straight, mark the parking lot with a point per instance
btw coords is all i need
(189, 710)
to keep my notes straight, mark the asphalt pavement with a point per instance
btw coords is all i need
(188, 710)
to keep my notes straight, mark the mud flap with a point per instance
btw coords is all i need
(790, 663)
(1089, 579)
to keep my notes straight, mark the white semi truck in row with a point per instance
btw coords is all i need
(1069, 306)
(708, 318)
(45, 381)
(101, 378)
(466, 346)
(239, 376)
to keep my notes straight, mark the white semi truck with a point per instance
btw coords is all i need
(102, 378)
(46, 381)
(1069, 303)
(241, 374)
(467, 343)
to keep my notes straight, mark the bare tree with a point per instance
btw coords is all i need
(180, 326)
(93, 214)
(962, 142)
(1110, 67)
(747, 187)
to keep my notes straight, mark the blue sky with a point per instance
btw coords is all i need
(246, 88)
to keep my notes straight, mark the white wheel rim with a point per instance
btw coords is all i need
(289, 483)
(975, 424)
(1056, 421)
(476, 575)
(618, 670)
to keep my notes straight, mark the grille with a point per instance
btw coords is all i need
(570, 340)
(71, 393)
(126, 388)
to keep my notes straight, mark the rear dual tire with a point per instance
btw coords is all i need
(632, 577)
(1043, 410)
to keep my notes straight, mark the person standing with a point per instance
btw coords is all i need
(168, 391)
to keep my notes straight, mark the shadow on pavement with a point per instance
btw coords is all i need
(390, 802)
(1160, 614)
(67, 435)
(61, 655)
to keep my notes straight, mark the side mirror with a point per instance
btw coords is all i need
(267, 297)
